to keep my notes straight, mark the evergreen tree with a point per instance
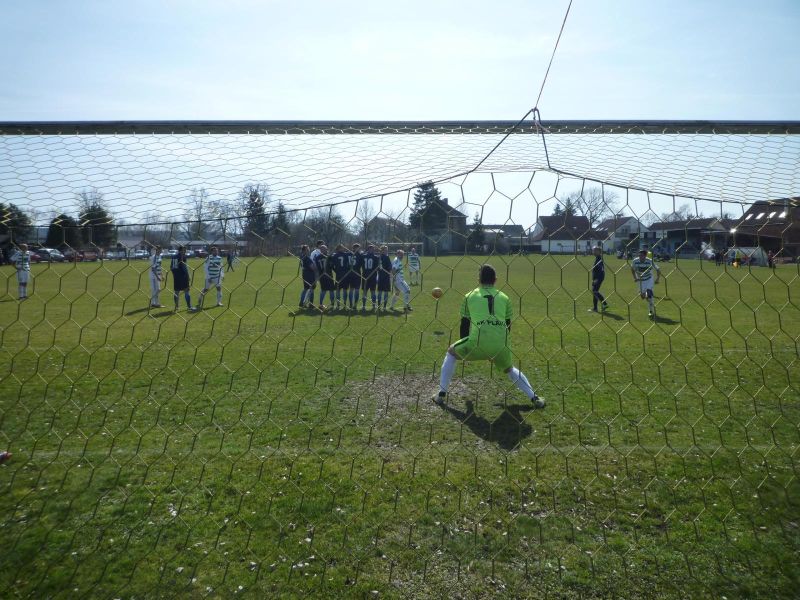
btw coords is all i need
(257, 222)
(14, 224)
(280, 222)
(97, 224)
(476, 236)
(429, 211)
(63, 231)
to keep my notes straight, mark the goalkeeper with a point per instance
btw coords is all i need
(485, 325)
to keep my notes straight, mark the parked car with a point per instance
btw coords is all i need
(50, 255)
(80, 255)
(115, 254)
(140, 254)
(35, 258)
(201, 253)
(71, 255)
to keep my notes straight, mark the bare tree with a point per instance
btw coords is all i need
(202, 219)
(594, 203)
(365, 213)
(682, 213)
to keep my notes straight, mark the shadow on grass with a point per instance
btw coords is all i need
(344, 313)
(158, 315)
(507, 430)
(609, 315)
(665, 320)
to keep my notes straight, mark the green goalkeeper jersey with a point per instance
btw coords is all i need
(487, 309)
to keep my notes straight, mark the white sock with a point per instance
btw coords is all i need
(448, 368)
(22, 291)
(394, 299)
(652, 304)
(219, 296)
(406, 298)
(518, 379)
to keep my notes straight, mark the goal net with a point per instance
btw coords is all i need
(200, 424)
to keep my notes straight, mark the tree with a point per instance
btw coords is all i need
(253, 200)
(96, 223)
(201, 216)
(366, 213)
(63, 231)
(15, 225)
(594, 203)
(428, 212)
(476, 236)
(565, 210)
(327, 224)
(682, 213)
(280, 222)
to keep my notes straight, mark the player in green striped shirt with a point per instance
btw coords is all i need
(413, 266)
(486, 315)
(214, 276)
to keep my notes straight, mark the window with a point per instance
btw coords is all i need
(782, 215)
(760, 215)
(772, 214)
(748, 217)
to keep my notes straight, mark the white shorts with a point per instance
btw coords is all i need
(401, 285)
(23, 276)
(646, 285)
(413, 268)
(213, 282)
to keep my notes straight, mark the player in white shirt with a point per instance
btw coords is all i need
(399, 280)
(413, 266)
(642, 269)
(214, 276)
(22, 262)
(155, 278)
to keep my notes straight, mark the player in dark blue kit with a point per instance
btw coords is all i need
(325, 273)
(309, 275)
(180, 277)
(369, 273)
(384, 277)
(356, 258)
(341, 267)
(598, 275)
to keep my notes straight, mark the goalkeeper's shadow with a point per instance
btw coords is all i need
(507, 430)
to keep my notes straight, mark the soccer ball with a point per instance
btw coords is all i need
(437, 292)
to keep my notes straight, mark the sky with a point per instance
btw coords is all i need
(95, 60)
(404, 60)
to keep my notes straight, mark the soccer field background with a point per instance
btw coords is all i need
(258, 450)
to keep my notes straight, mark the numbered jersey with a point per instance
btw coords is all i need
(370, 263)
(487, 309)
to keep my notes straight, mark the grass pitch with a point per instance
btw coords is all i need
(256, 450)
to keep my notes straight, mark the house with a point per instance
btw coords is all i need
(384, 230)
(504, 238)
(687, 237)
(774, 225)
(564, 234)
(438, 240)
(622, 232)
